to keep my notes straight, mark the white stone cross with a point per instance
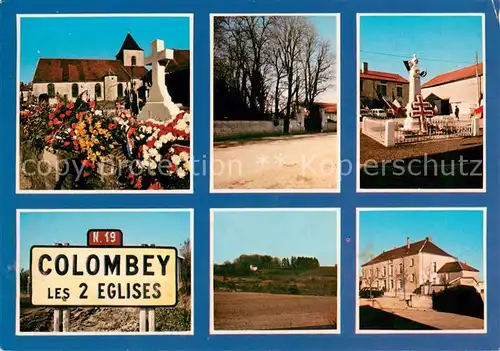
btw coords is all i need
(159, 105)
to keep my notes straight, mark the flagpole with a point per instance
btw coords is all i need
(478, 81)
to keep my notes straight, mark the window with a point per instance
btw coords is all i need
(399, 91)
(134, 61)
(74, 90)
(361, 85)
(412, 262)
(385, 272)
(120, 90)
(371, 272)
(392, 284)
(377, 272)
(400, 283)
(433, 280)
(412, 277)
(391, 270)
(51, 90)
(98, 90)
(400, 268)
(434, 268)
(382, 89)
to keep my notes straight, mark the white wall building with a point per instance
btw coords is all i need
(96, 79)
(461, 87)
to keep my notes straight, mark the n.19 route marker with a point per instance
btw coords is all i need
(78, 276)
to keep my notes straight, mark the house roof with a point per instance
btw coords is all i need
(375, 75)
(456, 266)
(54, 70)
(453, 76)
(128, 44)
(329, 107)
(426, 246)
(180, 62)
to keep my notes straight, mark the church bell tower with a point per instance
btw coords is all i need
(131, 54)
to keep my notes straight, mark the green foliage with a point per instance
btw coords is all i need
(23, 279)
(172, 319)
(185, 277)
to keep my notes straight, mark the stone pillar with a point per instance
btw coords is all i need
(389, 139)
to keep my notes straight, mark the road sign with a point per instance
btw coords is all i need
(105, 237)
(78, 276)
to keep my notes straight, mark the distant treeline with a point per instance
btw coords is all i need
(241, 265)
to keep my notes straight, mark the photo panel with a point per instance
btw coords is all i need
(104, 113)
(421, 271)
(275, 271)
(111, 272)
(275, 92)
(421, 103)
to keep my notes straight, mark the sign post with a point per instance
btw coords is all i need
(103, 274)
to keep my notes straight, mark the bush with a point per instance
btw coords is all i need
(464, 300)
(367, 293)
(172, 319)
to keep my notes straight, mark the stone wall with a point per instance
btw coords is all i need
(225, 129)
(421, 302)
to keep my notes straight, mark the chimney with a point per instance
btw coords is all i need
(429, 239)
(408, 242)
(365, 67)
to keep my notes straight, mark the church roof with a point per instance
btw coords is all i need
(53, 70)
(128, 44)
(456, 75)
(453, 267)
(181, 61)
(426, 246)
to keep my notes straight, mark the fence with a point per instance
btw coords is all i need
(390, 132)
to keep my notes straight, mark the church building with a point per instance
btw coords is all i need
(105, 79)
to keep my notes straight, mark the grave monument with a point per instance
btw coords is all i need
(159, 105)
(416, 109)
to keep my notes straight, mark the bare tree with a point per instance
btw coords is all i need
(317, 64)
(185, 252)
(444, 279)
(403, 276)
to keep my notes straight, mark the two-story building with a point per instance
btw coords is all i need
(419, 267)
(393, 87)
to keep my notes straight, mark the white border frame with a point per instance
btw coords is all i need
(485, 276)
(212, 330)
(18, 80)
(358, 123)
(212, 121)
(56, 334)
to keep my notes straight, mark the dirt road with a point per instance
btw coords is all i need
(257, 311)
(294, 162)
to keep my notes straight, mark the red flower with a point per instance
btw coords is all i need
(87, 163)
(51, 123)
(68, 112)
(66, 143)
(155, 186)
(51, 116)
(86, 174)
(70, 105)
(138, 184)
(62, 115)
(92, 103)
(112, 126)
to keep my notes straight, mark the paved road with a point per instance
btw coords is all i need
(257, 311)
(295, 162)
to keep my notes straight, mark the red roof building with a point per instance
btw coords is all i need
(453, 76)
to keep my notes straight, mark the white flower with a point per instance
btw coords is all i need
(157, 158)
(145, 163)
(181, 125)
(187, 166)
(98, 112)
(152, 164)
(158, 144)
(180, 138)
(176, 160)
(181, 173)
(184, 156)
(142, 136)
